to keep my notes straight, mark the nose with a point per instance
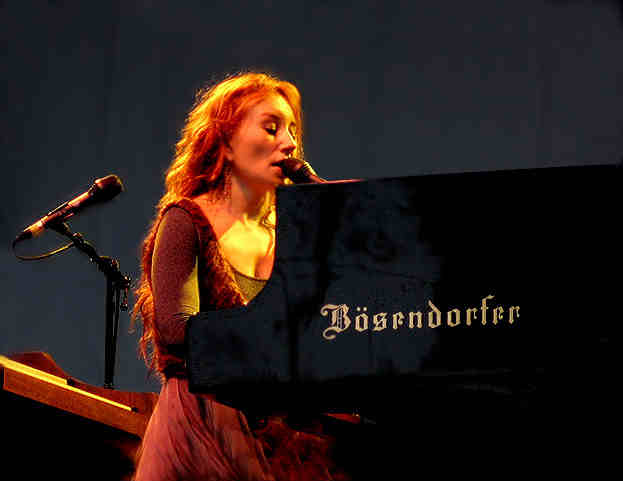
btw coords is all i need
(288, 145)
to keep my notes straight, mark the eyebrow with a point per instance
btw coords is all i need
(276, 116)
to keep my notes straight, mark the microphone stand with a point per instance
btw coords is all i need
(115, 283)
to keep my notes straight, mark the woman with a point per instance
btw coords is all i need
(212, 246)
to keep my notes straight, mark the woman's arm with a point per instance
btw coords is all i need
(174, 275)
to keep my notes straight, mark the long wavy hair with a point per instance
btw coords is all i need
(199, 166)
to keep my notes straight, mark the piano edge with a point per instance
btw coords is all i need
(48, 384)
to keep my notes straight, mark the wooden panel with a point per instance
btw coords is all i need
(127, 411)
(76, 402)
(63, 428)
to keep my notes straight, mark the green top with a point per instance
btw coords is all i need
(249, 286)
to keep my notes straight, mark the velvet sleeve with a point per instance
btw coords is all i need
(174, 275)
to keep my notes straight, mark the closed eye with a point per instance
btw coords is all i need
(271, 127)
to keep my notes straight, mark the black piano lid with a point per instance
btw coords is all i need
(472, 290)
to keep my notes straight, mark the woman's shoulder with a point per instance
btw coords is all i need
(174, 215)
(187, 208)
(184, 204)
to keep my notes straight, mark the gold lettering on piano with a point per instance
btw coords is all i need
(483, 309)
(361, 321)
(471, 311)
(380, 321)
(456, 314)
(436, 313)
(412, 316)
(510, 311)
(398, 318)
(339, 320)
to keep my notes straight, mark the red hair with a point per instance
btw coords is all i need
(198, 167)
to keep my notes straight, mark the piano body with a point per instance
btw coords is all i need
(467, 318)
(57, 427)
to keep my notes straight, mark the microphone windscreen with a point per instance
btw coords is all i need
(107, 188)
(297, 170)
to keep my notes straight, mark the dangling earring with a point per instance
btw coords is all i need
(227, 174)
(220, 188)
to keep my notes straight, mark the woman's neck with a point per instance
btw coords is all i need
(247, 204)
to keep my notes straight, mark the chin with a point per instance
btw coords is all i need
(269, 184)
(278, 180)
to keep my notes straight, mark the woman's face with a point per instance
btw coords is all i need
(266, 135)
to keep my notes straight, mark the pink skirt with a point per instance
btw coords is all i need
(192, 437)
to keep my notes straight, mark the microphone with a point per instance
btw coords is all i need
(299, 171)
(102, 190)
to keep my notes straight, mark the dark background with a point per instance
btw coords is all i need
(389, 89)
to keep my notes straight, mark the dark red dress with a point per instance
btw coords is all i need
(190, 436)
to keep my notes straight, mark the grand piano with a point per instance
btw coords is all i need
(459, 323)
(466, 319)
